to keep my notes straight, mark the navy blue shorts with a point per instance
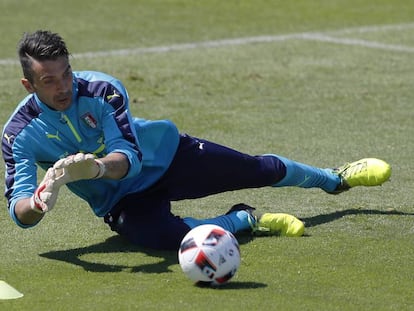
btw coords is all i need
(199, 168)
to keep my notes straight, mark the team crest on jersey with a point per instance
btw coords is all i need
(89, 120)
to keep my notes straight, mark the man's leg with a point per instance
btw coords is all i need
(147, 221)
(202, 168)
(364, 172)
(307, 176)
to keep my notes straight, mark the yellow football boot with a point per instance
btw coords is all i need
(365, 172)
(280, 224)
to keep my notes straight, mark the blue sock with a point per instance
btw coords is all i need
(233, 222)
(306, 176)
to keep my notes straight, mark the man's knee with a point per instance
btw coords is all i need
(163, 235)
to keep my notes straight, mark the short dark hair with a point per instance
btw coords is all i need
(40, 45)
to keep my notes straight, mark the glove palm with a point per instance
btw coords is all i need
(45, 196)
(66, 170)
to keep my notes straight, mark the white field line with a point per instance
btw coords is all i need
(358, 42)
(313, 36)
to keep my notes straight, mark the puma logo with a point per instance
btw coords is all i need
(109, 97)
(8, 138)
(53, 136)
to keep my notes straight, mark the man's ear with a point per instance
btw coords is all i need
(27, 85)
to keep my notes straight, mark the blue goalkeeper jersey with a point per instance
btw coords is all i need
(99, 122)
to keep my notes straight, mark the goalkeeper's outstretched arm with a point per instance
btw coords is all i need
(30, 211)
(116, 165)
(85, 166)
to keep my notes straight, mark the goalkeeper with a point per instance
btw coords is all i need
(77, 126)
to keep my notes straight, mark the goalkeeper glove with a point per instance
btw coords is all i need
(45, 196)
(77, 167)
(71, 168)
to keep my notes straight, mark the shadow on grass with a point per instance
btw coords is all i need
(325, 218)
(114, 244)
(117, 244)
(232, 285)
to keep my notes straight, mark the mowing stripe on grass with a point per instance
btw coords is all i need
(313, 36)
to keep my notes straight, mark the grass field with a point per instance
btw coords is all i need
(322, 82)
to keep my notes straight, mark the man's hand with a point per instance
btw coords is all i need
(72, 168)
(45, 196)
(77, 167)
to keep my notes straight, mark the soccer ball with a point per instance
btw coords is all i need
(209, 254)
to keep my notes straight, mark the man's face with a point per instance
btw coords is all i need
(52, 82)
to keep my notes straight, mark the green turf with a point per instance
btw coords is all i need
(317, 102)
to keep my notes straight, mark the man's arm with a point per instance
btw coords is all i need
(25, 214)
(116, 166)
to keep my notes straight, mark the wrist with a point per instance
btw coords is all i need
(35, 205)
(101, 169)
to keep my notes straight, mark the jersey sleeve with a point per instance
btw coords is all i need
(20, 170)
